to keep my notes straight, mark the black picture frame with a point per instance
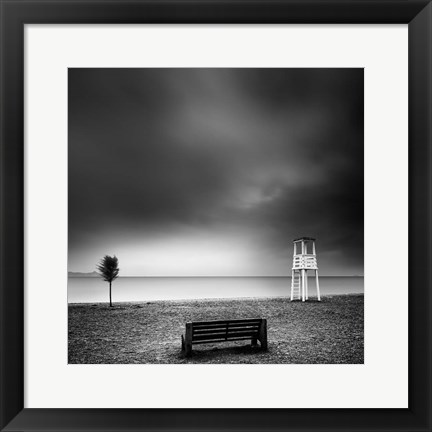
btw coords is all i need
(15, 14)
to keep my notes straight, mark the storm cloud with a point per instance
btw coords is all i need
(188, 172)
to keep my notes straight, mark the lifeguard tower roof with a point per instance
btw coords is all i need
(304, 238)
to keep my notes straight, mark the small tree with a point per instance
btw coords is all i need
(108, 270)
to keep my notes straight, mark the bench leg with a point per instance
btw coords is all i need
(188, 340)
(262, 335)
(188, 351)
(254, 342)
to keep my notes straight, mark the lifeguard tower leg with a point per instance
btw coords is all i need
(317, 285)
(303, 284)
(292, 285)
(306, 285)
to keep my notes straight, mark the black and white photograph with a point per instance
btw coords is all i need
(215, 216)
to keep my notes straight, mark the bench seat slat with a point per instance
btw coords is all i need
(220, 340)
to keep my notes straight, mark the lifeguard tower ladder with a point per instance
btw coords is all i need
(302, 262)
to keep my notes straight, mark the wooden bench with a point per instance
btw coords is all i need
(223, 331)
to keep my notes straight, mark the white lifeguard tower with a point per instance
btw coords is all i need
(302, 262)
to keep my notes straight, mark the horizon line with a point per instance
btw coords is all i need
(215, 276)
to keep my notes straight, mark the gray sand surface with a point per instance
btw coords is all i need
(330, 331)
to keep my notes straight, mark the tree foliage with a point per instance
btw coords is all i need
(108, 268)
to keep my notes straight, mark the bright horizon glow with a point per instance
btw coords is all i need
(199, 255)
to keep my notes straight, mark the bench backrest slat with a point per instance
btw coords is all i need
(231, 322)
(231, 325)
(225, 330)
(225, 336)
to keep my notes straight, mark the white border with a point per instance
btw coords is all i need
(382, 51)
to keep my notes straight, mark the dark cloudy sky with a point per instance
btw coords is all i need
(213, 172)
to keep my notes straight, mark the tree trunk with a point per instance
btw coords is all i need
(110, 295)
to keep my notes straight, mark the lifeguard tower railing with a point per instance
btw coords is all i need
(308, 261)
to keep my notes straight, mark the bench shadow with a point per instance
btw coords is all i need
(218, 352)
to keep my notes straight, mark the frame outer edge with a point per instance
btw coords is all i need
(12, 219)
(420, 217)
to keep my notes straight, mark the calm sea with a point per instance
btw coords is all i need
(128, 289)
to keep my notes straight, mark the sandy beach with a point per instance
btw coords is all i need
(330, 331)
